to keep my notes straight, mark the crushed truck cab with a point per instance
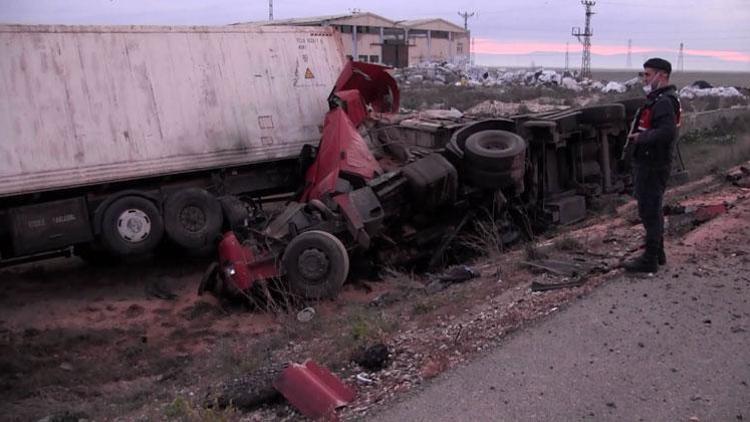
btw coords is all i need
(378, 178)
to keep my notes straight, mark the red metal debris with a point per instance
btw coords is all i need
(375, 84)
(243, 267)
(313, 390)
(342, 150)
(708, 212)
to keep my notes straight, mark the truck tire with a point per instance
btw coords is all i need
(603, 114)
(316, 265)
(493, 150)
(234, 211)
(131, 226)
(193, 218)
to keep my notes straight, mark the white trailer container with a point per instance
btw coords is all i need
(94, 116)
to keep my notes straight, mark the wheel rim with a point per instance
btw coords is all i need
(192, 218)
(133, 225)
(313, 264)
(496, 145)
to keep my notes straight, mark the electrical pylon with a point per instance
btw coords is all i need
(585, 38)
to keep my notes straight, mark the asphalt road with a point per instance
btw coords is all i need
(666, 348)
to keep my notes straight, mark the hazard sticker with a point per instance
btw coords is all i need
(309, 74)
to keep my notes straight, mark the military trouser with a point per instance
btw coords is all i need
(649, 184)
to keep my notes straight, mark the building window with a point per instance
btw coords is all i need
(439, 34)
(346, 29)
(374, 59)
(459, 48)
(362, 58)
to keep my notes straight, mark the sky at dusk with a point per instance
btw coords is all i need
(716, 34)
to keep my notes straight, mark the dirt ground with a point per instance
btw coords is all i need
(135, 342)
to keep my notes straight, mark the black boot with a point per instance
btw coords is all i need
(646, 263)
(662, 256)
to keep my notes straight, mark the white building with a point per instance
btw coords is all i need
(372, 38)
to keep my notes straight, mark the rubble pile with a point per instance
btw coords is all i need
(473, 76)
(694, 91)
(442, 74)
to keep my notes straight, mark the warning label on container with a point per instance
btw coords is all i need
(309, 74)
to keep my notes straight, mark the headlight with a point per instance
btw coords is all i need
(229, 270)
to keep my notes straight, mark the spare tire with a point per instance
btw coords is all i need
(193, 218)
(494, 150)
(603, 114)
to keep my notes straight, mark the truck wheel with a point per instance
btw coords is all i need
(316, 265)
(193, 218)
(131, 226)
(603, 114)
(493, 150)
(495, 179)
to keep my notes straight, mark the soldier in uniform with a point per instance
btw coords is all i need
(653, 143)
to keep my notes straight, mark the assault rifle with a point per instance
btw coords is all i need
(629, 148)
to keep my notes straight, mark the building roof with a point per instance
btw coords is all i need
(435, 24)
(356, 18)
(366, 19)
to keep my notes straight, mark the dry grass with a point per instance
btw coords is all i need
(182, 409)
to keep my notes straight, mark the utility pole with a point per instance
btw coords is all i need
(585, 38)
(270, 10)
(629, 61)
(466, 16)
(681, 58)
(567, 56)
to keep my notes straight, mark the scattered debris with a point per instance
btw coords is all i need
(566, 266)
(456, 274)
(684, 218)
(248, 392)
(373, 358)
(739, 177)
(543, 287)
(306, 315)
(386, 299)
(363, 379)
(313, 390)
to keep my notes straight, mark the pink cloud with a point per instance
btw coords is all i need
(489, 46)
(732, 56)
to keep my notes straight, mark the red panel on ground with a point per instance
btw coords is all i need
(313, 390)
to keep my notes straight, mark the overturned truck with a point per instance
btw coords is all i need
(380, 179)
